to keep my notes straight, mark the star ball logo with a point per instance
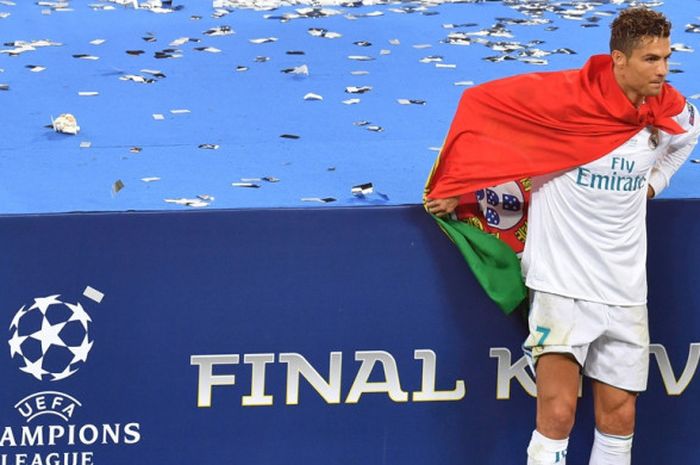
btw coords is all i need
(51, 339)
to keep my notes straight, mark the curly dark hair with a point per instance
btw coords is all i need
(633, 24)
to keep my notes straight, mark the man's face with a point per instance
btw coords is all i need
(644, 71)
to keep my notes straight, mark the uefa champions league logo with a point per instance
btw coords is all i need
(51, 340)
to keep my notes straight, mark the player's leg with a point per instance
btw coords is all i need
(556, 348)
(614, 419)
(618, 362)
(557, 393)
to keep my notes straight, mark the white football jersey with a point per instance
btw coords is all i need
(586, 235)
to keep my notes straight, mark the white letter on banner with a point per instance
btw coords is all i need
(427, 391)
(506, 372)
(257, 395)
(673, 387)
(207, 379)
(361, 385)
(297, 366)
(8, 438)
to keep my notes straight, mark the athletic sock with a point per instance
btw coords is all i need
(609, 449)
(545, 451)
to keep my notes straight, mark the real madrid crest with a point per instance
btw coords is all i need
(654, 138)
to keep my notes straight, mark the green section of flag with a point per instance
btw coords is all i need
(494, 263)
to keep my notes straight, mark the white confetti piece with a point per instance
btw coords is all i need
(93, 294)
(180, 111)
(263, 40)
(88, 93)
(158, 116)
(150, 179)
(97, 42)
(351, 101)
(312, 96)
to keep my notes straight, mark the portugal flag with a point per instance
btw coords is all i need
(511, 129)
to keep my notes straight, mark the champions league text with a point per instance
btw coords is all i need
(328, 387)
(63, 435)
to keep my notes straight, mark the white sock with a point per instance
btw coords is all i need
(609, 449)
(545, 451)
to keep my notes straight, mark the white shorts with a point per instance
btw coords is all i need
(609, 342)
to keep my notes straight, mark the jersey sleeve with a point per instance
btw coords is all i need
(679, 148)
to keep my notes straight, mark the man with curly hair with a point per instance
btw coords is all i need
(613, 137)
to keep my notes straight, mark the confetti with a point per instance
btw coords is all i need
(290, 136)
(208, 49)
(302, 70)
(351, 101)
(318, 199)
(179, 41)
(682, 48)
(86, 144)
(196, 203)
(219, 31)
(357, 90)
(312, 96)
(158, 116)
(88, 93)
(404, 101)
(245, 184)
(117, 186)
(35, 68)
(97, 42)
(209, 146)
(150, 179)
(153, 72)
(180, 111)
(362, 189)
(83, 56)
(264, 40)
(360, 58)
(136, 78)
(319, 32)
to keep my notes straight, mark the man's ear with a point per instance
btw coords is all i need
(619, 58)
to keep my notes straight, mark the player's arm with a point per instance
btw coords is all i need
(678, 151)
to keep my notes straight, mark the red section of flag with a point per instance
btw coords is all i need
(531, 124)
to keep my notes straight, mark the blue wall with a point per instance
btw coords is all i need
(310, 282)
